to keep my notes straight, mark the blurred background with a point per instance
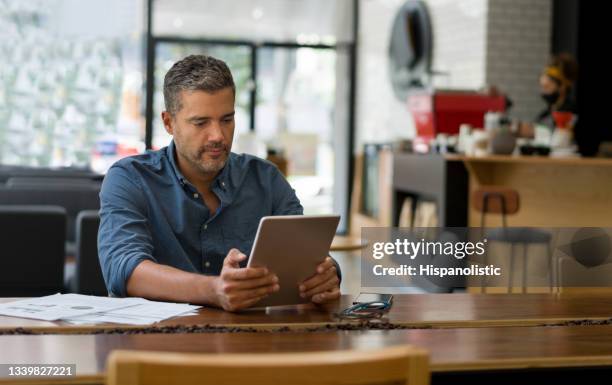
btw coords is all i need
(74, 87)
(387, 112)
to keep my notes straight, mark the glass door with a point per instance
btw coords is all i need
(296, 93)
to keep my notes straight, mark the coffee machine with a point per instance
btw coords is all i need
(443, 111)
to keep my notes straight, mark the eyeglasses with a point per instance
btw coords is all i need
(365, 310)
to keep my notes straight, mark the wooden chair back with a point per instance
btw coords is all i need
(401, 364)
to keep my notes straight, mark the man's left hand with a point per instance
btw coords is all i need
(324, 285)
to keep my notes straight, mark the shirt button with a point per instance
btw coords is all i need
(206, 264)
(204, 227)
(196, 195)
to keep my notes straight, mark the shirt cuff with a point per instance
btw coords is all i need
(118, 285)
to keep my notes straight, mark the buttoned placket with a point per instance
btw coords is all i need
(190, 190)
(204, 227)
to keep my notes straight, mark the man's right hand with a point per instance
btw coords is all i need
(239, 288)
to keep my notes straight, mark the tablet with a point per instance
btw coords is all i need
(291, 246)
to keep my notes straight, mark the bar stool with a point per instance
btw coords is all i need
(506, 201)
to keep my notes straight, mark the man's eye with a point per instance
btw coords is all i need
(228, 120)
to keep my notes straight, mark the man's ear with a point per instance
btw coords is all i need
(167, 119)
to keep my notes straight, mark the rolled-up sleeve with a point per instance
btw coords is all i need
(124, 237)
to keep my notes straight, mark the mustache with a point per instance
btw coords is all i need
(212, 146)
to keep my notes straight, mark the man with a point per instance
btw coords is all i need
(175, 223)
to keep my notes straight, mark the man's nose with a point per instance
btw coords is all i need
(215, 133)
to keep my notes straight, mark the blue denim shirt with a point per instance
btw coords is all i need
(149, 211)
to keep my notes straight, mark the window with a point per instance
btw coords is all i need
(71, 82)
(295, 112)
(72, 85)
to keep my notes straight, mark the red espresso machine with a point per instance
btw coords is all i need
(443, 111)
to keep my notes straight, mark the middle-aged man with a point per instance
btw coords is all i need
(175, 222)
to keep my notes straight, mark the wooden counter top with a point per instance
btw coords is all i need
(535, 159)
(554, 192)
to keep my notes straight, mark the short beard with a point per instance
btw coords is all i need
(210, 166)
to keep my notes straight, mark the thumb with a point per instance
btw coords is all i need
(234, 257)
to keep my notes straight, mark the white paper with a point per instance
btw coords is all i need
(83, 309)
(59, 306)
(144, 313)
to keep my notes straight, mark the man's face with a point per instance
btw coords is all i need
(203, 128)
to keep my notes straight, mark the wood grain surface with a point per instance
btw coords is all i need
(413, 310)
(451, 350)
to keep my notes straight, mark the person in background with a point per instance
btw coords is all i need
(557, 86)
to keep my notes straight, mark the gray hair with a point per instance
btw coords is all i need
(195, 72)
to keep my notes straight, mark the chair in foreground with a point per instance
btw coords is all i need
(393, 365)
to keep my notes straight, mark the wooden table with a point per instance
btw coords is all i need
(410, 310)
(471, 337)
(347, 243)
(456, 355)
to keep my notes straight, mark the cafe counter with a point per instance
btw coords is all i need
(554, 192)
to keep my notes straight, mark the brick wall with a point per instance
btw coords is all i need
(518, 47)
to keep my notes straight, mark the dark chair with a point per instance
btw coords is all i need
(32, 258)
(10, 171)
(72, 197)
(87, 277)
(21, 181)
(506, 201)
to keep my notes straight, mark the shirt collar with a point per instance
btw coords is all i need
(172, 158)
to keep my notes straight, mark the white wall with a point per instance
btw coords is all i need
(459, 29)
(380, 117)
(476, 42)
